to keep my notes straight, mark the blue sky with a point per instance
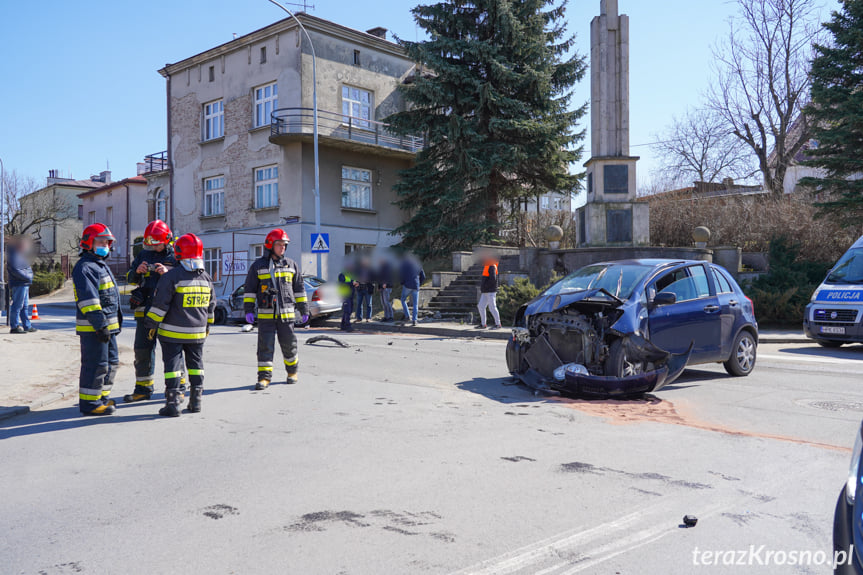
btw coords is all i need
(80, 88)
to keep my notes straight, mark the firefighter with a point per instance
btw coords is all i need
(97, 320)
(154, 261)
(181, 314)
(275, 285)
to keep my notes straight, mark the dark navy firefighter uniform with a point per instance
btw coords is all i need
(97, 322)
(276, 287)
(182, 311)
(145, 349)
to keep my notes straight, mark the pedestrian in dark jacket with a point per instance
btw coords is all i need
(488, 292)
(365, 289)
(384, 279)
(181, 314)
(97, 320)
(20, 278)
(412, 277)
(155, 260)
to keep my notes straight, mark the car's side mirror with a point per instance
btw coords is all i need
(664, 298)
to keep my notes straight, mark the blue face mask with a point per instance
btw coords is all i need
(103, 251)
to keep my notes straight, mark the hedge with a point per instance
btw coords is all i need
(46, 282)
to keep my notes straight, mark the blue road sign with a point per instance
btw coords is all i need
(320, 243)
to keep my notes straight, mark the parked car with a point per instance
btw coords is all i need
(848, 517)
(628, 327)
(323, 302)
(834, 315)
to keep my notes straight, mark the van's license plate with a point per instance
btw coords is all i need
(833, 330)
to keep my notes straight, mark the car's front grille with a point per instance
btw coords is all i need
(825, 316)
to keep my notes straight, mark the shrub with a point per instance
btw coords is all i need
(46, 282)
(511, 297)
(780, 296)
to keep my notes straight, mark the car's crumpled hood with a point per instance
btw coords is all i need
(589, 299)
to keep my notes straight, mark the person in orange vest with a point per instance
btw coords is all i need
(488, 292)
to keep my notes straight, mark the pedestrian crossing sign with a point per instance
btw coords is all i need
(320, 243)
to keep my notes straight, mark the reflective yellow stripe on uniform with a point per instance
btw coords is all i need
(107, 285)
(291, 362)
(89, 308)
(301, 299)
(173, 374)
(248, 299)
(83, 326)
(284, 274)
(193, 289)
(196, 372)
(180, 335)
(264, 276)
(139, 314)
(263, 369)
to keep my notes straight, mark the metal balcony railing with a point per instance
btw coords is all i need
(300, 121)
(156, 162)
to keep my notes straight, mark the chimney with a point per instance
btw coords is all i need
(104, 177)
(54, 177)
(378, 32)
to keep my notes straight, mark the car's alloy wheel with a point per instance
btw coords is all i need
(742, 360)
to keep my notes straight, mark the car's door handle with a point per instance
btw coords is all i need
(733, 303)
(711, 308)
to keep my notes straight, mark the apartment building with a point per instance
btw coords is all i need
(240, 159)
(122, 206)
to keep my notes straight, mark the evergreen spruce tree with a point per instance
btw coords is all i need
(492, 97)
(836, 117)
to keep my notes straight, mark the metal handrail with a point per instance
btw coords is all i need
(301, 121)
(156, 162)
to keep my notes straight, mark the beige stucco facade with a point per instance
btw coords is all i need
(231, 73)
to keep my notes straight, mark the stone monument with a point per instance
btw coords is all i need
(611, 216)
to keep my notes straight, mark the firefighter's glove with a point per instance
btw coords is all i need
(104, 335)
(250, 318)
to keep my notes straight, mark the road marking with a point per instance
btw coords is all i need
(792, 358)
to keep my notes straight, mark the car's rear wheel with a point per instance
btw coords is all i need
(220, 316)
(829, 344)
(744, 351)
(619, 365)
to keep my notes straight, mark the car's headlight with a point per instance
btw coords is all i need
(851, 484)
(812, 299)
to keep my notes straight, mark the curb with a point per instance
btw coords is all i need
(501, 334)
(10, 412)
(43, 401)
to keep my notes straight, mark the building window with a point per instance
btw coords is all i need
(214, 120)
(214, 196)
(91, 218)
(356, 107)
(266, 100)
(263, 54)
(80, 211)
(257, 251)
(358, 248)
(267, 187)
(162, 205)
(356, 188)
(213, 262)
(543, 203)
(356, 57)
(212, 73)
(109, 216)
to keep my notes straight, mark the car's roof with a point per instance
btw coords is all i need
(648, 262)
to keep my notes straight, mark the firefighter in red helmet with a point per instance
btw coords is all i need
(275, 286)
(156, 259)
(97, 320)
(181, 315)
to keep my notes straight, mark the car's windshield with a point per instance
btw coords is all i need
(617, 279)
(849, 269)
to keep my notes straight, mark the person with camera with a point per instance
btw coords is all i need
(275, 286)
(154, 261)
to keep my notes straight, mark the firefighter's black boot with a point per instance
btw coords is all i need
(172, 404)
(262, 384)
(195, 399)
(141, 393)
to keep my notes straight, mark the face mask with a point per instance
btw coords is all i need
(103, 251)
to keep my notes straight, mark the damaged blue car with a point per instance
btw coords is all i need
(625, 328)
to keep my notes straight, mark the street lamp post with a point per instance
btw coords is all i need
(317, 189)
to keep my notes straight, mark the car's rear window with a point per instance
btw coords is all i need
(620, 280)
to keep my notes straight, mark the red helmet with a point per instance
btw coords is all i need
(189, 247)
(274, 236)
(157, 232)
(92, 232)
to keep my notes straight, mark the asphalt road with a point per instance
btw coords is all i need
(417, 455)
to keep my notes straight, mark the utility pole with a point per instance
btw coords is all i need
(2, 238)
(317, 189)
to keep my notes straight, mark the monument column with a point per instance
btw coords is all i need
(611, 215)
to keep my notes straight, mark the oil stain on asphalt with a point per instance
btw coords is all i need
(587, 468)
(403, 523)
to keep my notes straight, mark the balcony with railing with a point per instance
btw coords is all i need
(157, 162)
(346, 132)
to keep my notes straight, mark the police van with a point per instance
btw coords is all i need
(835, 313)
